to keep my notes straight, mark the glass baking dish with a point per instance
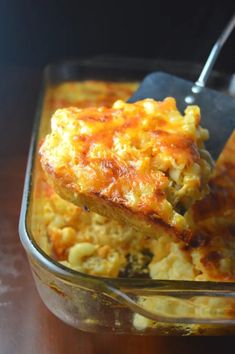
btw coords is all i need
(119, 305)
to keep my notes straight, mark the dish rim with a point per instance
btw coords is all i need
(112, 286)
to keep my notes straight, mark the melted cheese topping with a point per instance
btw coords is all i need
(143, 156)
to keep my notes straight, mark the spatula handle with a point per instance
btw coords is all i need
(214, 53)
(201, 82)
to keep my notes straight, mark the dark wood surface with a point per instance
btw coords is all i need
(26, 326)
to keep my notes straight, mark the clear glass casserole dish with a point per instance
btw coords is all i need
(119, 305)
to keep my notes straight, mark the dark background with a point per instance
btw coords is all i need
(33, 33)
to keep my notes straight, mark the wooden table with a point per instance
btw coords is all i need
(26, 326)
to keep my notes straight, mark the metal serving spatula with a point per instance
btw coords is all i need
(217, 109)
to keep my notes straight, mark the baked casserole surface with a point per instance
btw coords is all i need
(98, 245)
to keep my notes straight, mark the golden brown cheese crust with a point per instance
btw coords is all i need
(89, 93)
(139, 163)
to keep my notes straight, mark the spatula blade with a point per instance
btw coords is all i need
(217, 109)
